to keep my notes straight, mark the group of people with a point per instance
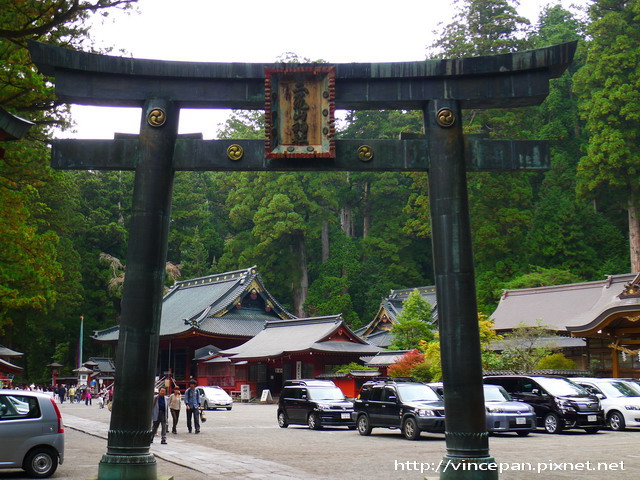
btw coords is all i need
(163, 404)
(73, 394)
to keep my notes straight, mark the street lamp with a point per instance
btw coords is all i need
(55, 370)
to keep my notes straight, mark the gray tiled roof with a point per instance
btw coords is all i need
(205, 352)
(299, 335)
(9, 365)
(103, 364)
(386, 358)
(206, 304)
(381, 339)
(7, 352)
(562, 307)
(549, 342)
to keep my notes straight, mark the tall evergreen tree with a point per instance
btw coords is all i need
(609, 90)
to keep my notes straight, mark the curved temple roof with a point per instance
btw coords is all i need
(580, 308)
(302, 335)
(208, 305)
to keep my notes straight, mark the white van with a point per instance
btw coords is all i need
(214, 398)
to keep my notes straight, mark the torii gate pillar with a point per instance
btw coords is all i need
(466, 432)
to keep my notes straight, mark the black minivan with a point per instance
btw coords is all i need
(315, 403)
(558, 402)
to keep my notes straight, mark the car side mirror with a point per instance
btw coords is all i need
(304, 396)
(535, 391)
(600, 395)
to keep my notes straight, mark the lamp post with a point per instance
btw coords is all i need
(55, 370)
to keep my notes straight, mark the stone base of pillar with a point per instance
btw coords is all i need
(128, 467)
(468, 468)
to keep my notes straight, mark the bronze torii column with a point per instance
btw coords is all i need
(439, 88)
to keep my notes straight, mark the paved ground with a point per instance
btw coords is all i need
(246, 443)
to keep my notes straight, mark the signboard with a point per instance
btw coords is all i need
(245, 392)
(300, 112)
(266, 396)
(298, 370)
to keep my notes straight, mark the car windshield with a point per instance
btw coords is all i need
(495, 394)
(415, 393)
(617, 389)
(562, 387)
(328, 393)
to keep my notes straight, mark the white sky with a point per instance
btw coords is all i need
(260, 31)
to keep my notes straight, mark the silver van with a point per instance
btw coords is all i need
(31, 433)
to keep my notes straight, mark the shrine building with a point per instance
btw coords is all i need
(603, 316)
(206, 315)
(377, 332)
(298, 348)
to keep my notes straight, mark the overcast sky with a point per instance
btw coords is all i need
(260, 31)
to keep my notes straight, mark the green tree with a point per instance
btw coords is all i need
(524, 347)
(195, 260)
(414, 324)
(608, 86)
(40, 265)
(556, 361)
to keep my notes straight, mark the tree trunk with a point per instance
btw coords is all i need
(346, 211)
(301, 288)
(325, 241)
(634, 231)
(366, 210)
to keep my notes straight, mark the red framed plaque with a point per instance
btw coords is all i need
(300, 112)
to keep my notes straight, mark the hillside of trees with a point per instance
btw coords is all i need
(327, 243)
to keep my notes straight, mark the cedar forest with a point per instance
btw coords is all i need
(326, 243)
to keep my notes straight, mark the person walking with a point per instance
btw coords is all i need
(72, 394)
(160, 412)
(62, 393)
(192, 402)
(87, 396)
(175, 403)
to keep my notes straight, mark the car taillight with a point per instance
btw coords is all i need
(55, 407)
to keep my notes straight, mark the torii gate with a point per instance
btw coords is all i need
(300, 101)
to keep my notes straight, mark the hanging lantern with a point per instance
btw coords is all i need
(254, 295)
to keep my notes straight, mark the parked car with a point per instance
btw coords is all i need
(619, 399)
(559, 403)
(315, 403)
(503, 413)
(410, 406)
(31, 433)
(214, 398)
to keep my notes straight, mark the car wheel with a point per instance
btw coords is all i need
(523, 433)
(314, 421)
(616, 421)
(410, 429)
(41, 463)
(592, 429)
(205, 405)
(364, 428)
(282, 420)
(552, 423)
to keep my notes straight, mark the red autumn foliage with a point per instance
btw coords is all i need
(403, 367)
